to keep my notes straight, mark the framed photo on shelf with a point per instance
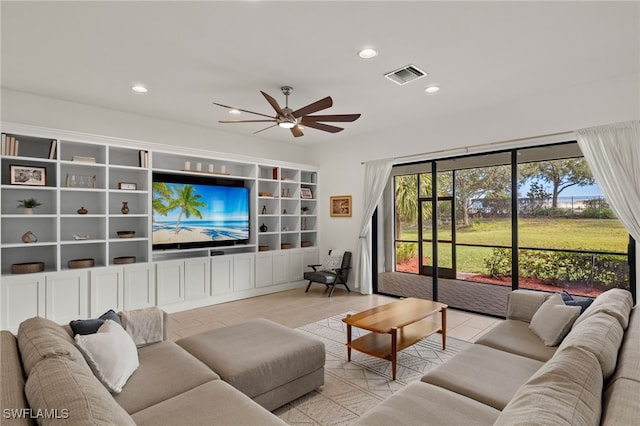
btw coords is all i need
(306, 193)
(340, 206)
(27, 175)
(127, 185)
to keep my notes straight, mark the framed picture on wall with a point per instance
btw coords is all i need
(340, 206)
(27, 175)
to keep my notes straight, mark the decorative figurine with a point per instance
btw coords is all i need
(29, 237)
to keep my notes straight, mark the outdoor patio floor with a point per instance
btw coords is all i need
(471, 296)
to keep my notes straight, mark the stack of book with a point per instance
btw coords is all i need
(144, 159)
(9, 145)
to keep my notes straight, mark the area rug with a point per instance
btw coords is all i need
(351, 388)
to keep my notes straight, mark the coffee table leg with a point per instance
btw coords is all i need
(444, 328)
(348, 341)
(394, 351)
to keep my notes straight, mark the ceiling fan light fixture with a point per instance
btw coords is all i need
(432, 89)
(286, 124)
(234, 111)
(368, 53)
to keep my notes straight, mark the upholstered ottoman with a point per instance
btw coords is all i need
(268, 362)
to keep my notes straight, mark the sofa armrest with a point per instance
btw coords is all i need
(146, 325)
(522, 304)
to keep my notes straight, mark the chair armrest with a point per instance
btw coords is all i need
(314, 267)
(522, 304)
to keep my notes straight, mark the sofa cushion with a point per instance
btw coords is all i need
(620, 403)
(523, 304)
(73, 394)
(257, 356)
(40, 338)
(470, 370)
(90, 326)
(165, 370)
(615, 302)
(110, 353)
(553, 320)
(12, 383)
(601, 335)
(515, 337)
(421, 403)
(567, 390)
(628, 366)
(214, 402)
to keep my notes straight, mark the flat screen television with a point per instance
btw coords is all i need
(194, 212)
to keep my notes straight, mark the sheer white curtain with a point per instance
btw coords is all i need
(613, 154)
(376, 174)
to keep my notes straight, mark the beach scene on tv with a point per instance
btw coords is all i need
(185, 213)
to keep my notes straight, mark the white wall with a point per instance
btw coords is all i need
(24, 108)
(556, 111)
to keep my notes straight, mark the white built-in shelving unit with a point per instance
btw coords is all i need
(88, 172)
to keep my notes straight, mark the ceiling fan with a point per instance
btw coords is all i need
(294, 120)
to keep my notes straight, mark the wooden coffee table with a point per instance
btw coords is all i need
(407, 321)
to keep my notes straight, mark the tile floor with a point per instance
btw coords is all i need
(295, 308)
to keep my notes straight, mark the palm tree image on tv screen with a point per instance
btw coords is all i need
(191, 215)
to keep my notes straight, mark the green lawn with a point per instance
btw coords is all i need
(559, 233)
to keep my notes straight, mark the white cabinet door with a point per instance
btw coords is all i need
(22, 297)
(106, 291)
(310, 256)
(139, 287)
(197, 278)
(295, 265)
(281, 267)
(170, 281)
(264, 269)
(67, 296)
(244, 271)
(221, 274)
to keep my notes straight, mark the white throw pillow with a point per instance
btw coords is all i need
(553, 320)
(111, 354)
(332, 261)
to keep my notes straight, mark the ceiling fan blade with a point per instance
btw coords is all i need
(295, 130)
(331, 118)
(321, 126)
(243, 110)
(314, 107)
(247, 121)
(262, 130)
(273, 103)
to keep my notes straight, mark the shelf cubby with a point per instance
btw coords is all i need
(42, 226)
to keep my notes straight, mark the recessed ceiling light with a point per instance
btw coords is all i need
(139, 88)
(432, 89)
(234, 111)
(368, 53)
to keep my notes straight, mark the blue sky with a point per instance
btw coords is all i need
(572, 191)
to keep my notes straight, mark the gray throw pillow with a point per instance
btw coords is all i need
(91, 326)
(553, 320)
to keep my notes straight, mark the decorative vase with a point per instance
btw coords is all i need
(263, 228)
(264, 209)
(82, 210)
(125, 207)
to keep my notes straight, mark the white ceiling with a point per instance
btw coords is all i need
(191, 54)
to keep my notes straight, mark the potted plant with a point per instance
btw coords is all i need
(304, 209)
(28, 205)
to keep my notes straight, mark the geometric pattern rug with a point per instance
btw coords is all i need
(352, 388)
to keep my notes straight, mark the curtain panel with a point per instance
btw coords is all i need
(376, 174)
(613, 154)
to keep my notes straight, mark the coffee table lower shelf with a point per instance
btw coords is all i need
(380, 345)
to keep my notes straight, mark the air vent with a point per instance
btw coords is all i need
(405, 75)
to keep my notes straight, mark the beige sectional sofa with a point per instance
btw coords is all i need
(511, 377)
(45, 378)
